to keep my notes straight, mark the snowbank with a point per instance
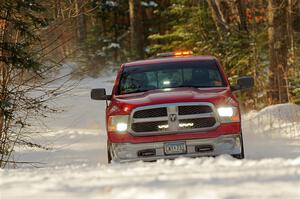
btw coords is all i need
(281, 112)
(281, 120)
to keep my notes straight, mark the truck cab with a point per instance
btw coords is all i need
(174, 106)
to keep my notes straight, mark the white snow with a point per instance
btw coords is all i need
(111, 3)
(150, 4)
(114, 45)
(222, 177)
(76, 166)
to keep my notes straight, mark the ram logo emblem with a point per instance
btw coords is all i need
(173, 117)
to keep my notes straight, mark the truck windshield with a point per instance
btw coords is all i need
(198, 74)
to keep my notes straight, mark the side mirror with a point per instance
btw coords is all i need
(99, 94)
(243, 83)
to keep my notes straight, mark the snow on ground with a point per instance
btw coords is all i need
(273, 132)
(222, 177)
(76, 166)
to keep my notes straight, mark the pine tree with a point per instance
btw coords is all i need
(21, 70)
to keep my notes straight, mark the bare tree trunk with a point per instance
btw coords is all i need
(58, 9)
(6, 37)
(116, 50)
(136, 28)
(59, 16)
(217, 16)
(242, 15)
(278, 51)
(290, 29)
(81, 22)
(2, 32)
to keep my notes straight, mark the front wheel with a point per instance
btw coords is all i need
(242, 154)
(109, 159)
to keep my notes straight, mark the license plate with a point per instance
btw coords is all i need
(172, 148)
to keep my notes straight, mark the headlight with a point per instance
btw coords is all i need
(225, 111)
(228, 114)
(118, 123)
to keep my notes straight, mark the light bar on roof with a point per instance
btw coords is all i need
(175, 54)
(183, 53)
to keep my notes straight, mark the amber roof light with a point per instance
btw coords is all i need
(175, 54)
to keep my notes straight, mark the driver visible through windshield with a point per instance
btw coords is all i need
(198, 74)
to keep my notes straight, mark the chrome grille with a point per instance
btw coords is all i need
(155, 112)
(173, 118)
(190, 110)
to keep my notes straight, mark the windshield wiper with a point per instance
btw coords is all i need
(193, 86)
(137, 91)
(185, 85)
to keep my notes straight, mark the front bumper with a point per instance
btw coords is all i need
(225, 144)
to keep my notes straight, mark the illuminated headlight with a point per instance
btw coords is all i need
(118, 123)
(121, 127)
(228, 114)
(225, 111)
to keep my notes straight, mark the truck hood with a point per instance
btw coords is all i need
(174, 95)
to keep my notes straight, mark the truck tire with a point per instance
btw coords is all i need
(242, 154)
(109, 159)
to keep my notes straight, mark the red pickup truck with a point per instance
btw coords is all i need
(171, 107)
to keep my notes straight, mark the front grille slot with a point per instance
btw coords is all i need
(198, 123)
(192, 110)
(148, 126)
(148, 113)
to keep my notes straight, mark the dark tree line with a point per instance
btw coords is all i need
(258, 38)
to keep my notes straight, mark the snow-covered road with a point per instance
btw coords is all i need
(76, 167)
(222, 177)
